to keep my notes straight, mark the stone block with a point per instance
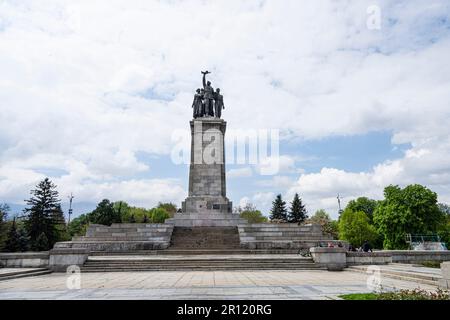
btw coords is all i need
(334, 259)
(61, 259)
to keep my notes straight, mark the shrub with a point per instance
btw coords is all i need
(159, 215)
(253, 216)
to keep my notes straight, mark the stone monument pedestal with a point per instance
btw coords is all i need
(207, 204)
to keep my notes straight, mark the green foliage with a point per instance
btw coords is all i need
(297, 212)
(24, 239)
(444, 229)
(416, 294)
(4, 210)
(105, 214)
(122, 209)
(253, 216)
(78, 226)
(431, 264)
(359, 296)
(41, 243)
(279, 211)
(44, 214)
(12, 243)
(322, 218)
(410, 210)
(365, 205)
(170, 208)
(159, 215)
(355, 228)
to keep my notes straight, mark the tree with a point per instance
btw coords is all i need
(355, 228)
(278, 211)
(159, 215)
(41, 243)
(132, 219)
(412, 210)
(297, 211)
(13, 239)
(365, 205)
(105, 214)
(44, 208)
(170, 208)
(444, 229)
(78, 226)
(59, 224)
(322, 218)
(24, 240)
(4, 210)
(251, 214)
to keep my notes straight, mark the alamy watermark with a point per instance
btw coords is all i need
(73, 281)
(258, 147)
(374, 18)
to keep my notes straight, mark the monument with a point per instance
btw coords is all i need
(207, 204)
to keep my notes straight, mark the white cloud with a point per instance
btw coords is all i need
(240, 173)
(85, 86)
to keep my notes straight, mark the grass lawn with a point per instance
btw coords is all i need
(359, 296)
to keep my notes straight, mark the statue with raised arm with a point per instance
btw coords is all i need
(218, 103)
(208, 95)
(197, 105)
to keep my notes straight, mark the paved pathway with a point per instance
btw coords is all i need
(302, 284)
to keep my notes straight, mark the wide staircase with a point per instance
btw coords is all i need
(197, 263)
(225, 238)
(199, 249)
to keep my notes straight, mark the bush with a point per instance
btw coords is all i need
(253, 216)
(159, 215)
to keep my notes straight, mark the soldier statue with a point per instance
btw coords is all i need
(218, 103)
(197, 105)
(208, 96)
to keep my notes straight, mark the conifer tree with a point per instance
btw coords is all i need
(41, 243)
(42, 214)
(278, 211)
(12, 241)
(297, 211)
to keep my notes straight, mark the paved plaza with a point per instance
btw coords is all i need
(302, 284)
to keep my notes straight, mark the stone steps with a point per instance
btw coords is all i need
(24, 273)
(116, 264)
(205, 238)
(172, 251)
(423, 278)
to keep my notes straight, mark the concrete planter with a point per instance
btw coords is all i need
(334, 259)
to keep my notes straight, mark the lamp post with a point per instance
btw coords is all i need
(70, 205)
(339, 203)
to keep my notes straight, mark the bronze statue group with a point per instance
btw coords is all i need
(207, 102)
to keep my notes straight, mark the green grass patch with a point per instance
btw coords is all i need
(431, 264)
(416, 294)
(359, 296)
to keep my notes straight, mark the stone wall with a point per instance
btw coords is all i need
(369, 258)
(404, 256)
(283, 236)
(123, 237)
(24, 260)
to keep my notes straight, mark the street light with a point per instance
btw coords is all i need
(70, 205)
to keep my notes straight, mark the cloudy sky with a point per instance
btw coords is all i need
(91, 93)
